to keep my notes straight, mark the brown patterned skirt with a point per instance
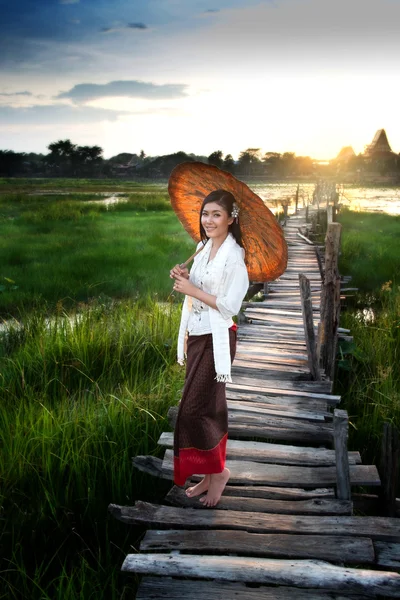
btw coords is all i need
(201, 429)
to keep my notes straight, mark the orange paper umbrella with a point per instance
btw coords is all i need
(263, 240)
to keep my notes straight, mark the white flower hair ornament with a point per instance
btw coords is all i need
(235, 211)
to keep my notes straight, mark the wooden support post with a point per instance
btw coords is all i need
(389, 469)
(330, 300)
(297, 198)
(266, 288)
(306, 305)
(341, 431)
(320, 266)
(329, 212)
(307, 219)
(285, 211)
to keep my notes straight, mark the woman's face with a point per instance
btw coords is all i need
(215, 221)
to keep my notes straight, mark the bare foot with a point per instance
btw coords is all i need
(199, 488)
(217, 486)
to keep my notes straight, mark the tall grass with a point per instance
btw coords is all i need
(79, 396)
(368, 375)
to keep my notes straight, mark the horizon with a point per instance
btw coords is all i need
(188, 153)
(302, 76)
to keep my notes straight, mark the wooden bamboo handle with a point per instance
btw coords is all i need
(185, 264)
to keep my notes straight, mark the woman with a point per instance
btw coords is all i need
(214, 292)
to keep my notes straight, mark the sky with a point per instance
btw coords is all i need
(306, 76)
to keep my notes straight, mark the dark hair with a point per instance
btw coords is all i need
(225, 200)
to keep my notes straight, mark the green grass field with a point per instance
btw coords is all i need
(370, 248)
(67, 249)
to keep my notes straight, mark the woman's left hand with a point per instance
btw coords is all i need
(184, 286)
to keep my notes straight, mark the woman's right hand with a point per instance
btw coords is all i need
(178, 271)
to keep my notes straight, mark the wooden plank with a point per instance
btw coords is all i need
(301, 573)
(271, 365)
(265, 349)
(307, 434)
(266, 340)
(281, 400)
(388, 554)
(166, 588)
(275, 319)
(321, 387)
(276, 388)
(345, 549)
(152, 466)
(329, 506)
(277, 370)
(274, 453)
(272, 427)
(245, 472)
(274, 372)
(376, 528)
(264, 409)
(277, 493)
(267, 310)
(271, 333)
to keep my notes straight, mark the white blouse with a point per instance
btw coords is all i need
(229, 300)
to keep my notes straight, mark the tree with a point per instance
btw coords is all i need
(61, 156)
(10, 162)
(288, 163)
(215, 158)
(273, 163)
(229, 163)
(249, 161)
(66, 158)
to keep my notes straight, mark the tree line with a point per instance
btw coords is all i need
(66, 159)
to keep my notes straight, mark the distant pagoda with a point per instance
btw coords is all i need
(379, 146)
(345, 154)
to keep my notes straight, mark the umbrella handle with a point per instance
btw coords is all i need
(185, 264)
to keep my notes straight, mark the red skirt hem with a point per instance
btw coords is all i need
(192, 461)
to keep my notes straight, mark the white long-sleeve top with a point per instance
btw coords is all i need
(226, 278)
(229, 300)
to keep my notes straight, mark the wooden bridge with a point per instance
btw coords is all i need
(285, 526)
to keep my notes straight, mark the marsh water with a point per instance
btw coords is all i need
(371, 199)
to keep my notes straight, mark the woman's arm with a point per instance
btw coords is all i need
(184, 286)
(229, 301)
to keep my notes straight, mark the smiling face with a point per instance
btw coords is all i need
(215, 221)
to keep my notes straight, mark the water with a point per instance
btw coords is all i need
(370, 199)
(110, 201)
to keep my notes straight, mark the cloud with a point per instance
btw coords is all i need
(140, 26)
(15, 94)
(137, 26)
(69, 1)
(85, 92)
(211, 10)
(55, 114)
